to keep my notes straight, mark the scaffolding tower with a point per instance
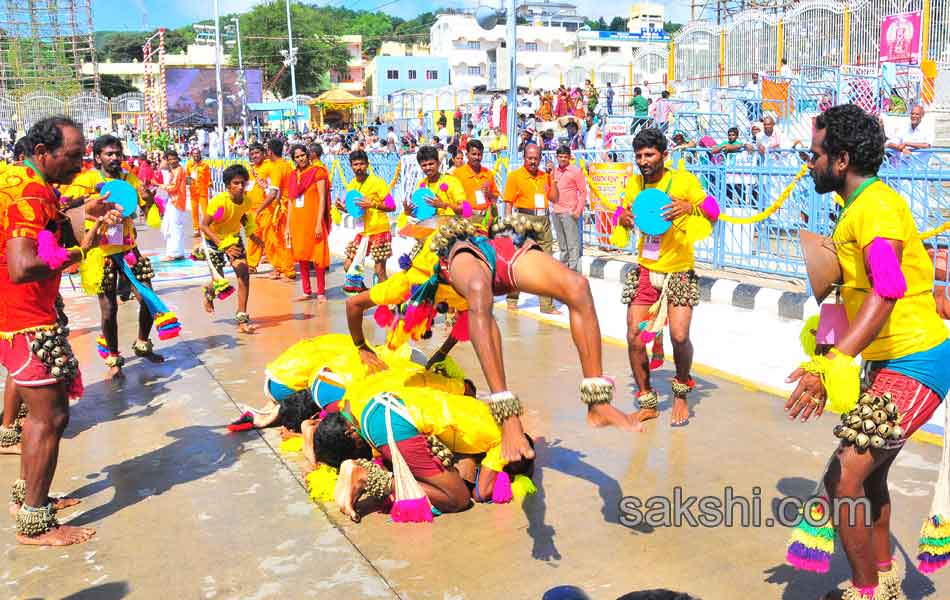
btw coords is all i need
(721, 11)
(44, 45)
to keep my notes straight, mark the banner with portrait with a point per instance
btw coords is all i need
(900, 37)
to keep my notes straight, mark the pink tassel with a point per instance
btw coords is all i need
(805, 564)
(218, 214)
(384, 316)
(50, 251)
(416, 510)
(886, 274)
(460, 329)
(710, 208)
(415, 315)
(466, 210)
(130, 259)
(389, 203)
(501, 493)
(647, 336)
(616, 216)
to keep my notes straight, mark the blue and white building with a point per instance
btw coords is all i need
(386, 75)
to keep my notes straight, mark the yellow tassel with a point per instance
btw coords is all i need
(91, 271)
(402, 220)
(153, 219)
(291, 445)
(929, 530)
(335, 216)
(449, 368)
(841, 377)
(620, 237)
(813, 542)
(807, 336)
(321, 483)
(522, 486)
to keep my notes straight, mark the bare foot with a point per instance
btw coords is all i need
(645, 414)
(349, 486)
(321, 298)
(246, 328)
(115, 373)
(153, 357)
(607, 415)
(209, 305)
(12, 449)
(303, 298)
(551, 311)
(512, 305)
(64, 535)
(514, 445)
(274, 275)
(680, 411)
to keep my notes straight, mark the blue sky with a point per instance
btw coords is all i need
(141, 14)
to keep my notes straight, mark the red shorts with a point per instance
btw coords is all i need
(506, 256)
(23, 366)
(646, 293)
(418, 456)
(915, 402)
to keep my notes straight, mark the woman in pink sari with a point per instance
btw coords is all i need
(560, 107)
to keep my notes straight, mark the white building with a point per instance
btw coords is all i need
(552, 14)
(645, 16)
(475, 53)
(551, 56)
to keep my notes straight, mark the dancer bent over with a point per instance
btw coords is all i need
(467, 267)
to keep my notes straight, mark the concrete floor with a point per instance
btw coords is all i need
(185, 509)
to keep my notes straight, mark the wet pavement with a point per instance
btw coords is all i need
(185, 509)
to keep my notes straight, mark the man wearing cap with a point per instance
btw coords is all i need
(530, 191)
(664, 285)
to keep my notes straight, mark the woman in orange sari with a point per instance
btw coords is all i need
(545, 112)
(309, 221)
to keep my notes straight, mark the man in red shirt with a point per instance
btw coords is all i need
(33, 348)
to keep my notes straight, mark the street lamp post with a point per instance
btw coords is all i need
(237, 33)
(512, 42)
(292, 58)
(217, 79)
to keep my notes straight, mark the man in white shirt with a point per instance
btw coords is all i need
(786, 71)
(770, 139)
(913, 137)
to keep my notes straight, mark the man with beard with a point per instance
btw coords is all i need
(664, 282)
(887, 283)
(481, 191)
(32, 260)
(108, 156)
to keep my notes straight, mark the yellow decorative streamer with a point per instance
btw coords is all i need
(771, 210)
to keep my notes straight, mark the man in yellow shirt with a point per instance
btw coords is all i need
(377, 202)
(229, 212)
(273, 213)
(481, 191)
(117, 244)
(530, 191)
(499, 143)
(664, 274)
(887, 284)
(256, 193)
(448, 191)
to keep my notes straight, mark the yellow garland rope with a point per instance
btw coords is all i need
(935, 231)
(771, 210)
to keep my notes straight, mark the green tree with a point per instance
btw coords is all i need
(618, 24)
(671, 27)
(318, 48)
(112, 85)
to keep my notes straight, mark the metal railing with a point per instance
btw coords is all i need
(745, 183)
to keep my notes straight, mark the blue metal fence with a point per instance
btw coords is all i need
(745, 183)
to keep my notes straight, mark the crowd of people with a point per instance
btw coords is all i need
(475, 240)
